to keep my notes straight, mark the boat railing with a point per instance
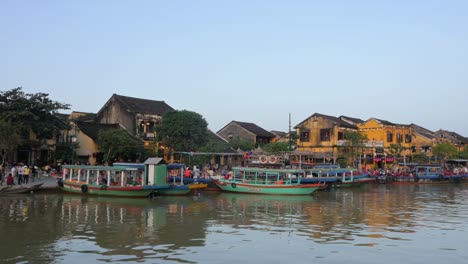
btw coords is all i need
(102, 175)
(264, 181)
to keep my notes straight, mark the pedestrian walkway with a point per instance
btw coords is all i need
(48, 182)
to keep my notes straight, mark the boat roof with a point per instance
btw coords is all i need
(457, 161)
(142, 165)
(327, 166)
(257, 169)
(428, 166)
(91, 167)
(153, 161)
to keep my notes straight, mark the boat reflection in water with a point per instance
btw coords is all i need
(60, 227)
(380, 223)
(134, 228)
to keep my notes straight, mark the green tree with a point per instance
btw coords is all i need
(118, 144)
(444, 151)
(9, 140)
(211, 147)
(183, 131)
(464, 153)
(420, 158)
(32, 112)
(292, 139)
(354, 147)
(242, 144)
(276, 147)
(395, 150)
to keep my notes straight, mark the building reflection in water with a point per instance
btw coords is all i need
(44, 228)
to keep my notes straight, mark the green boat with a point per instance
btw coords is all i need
(123, 181)
(266, 181)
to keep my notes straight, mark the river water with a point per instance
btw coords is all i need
(374, 224)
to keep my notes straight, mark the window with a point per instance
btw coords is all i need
(341, 136)
(325, 134)
(389, 137)
(305, 136)
(408, 138)
(399, 138)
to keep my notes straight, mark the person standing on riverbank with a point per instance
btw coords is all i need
(26, 174)
(10, 180)
(20, 174)
(14, 172)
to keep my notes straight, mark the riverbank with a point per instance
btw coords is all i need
(48, 182)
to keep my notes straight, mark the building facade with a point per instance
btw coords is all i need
(139, 117)
(320, 138)
(246, 131)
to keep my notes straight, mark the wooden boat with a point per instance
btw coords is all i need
(336, 177)
(430, 173)
(266, 181)
(179, 187)
(137, 180)
(4, 188)
(15, 189)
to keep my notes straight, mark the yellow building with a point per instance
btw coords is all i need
(423, 141)
(320, 137)
(322, 140)
(381, 135)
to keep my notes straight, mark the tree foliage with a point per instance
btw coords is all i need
(211, 147)
(354, 146)
(395, 150)
(31, 112)
(276, 147)
(183, 130)
(420, 158)
(9, 140)
(292, 139)
(241, 144)
(118, 144)
(464, 153)
(444, 151)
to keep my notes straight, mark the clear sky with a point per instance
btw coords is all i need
(246, 60)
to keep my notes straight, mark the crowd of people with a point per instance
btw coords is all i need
(17, 173)
(207, 171)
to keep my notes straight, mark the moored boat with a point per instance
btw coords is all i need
(179, 187)
(420, 174)
(336, 177)
(15, 189)
(266, 181)
(124, 180)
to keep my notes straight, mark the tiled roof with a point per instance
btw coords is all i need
(352, 119)
(92, 129)
(88, 117)
(144, 106)
(422, 131)
(388, 123)
(385, 122)
(279, 133)
(452, 136)
(215, 137)
(63, 117)
(253, 128)
(334, 119)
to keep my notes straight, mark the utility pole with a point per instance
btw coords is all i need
(289, 133)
